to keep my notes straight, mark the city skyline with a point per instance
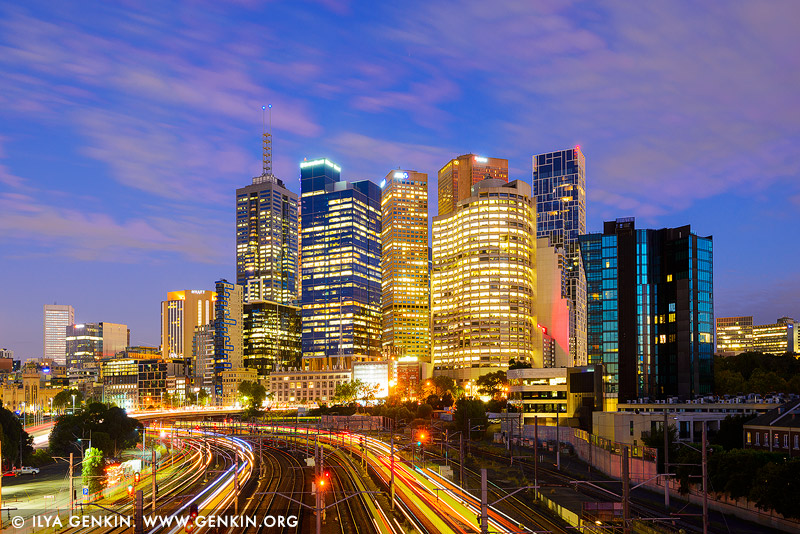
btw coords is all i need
(121, 183)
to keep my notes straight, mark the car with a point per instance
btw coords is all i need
(26, 471)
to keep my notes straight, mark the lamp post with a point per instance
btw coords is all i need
(73, 404)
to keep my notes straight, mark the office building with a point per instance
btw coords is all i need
(738, 334)
(293, 387)
(734, 335)
(404, 266)
(267, 237)
(57, 318)
(341, 280)
(458, 176)
(483, 284)
(559, 188)
(203, 358)
(180, 314)
(6, 353)
(650, 310)
(375, 376)
(566, 396)
(90, 343)
(272, 336)
(230, 380)
(552, 308)
(228, 330)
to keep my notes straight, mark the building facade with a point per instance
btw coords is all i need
(90, 343)
(458, 176)
(272, 336)
(775, 431)
(564, 396)
(559, 188)
(57, 318)
(738, 334)
(405, 278)
(267, 243)
(341, 276)
(483, 284)
(734, 335)
(180, 314)
(553, 309)
(306, 387)
(650, 311)
(228, 330)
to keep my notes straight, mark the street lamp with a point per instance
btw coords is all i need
(73, 404)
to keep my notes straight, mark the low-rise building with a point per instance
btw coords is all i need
(374, 375)
(557, 395)
(306, 387)
(230, 383)
(778, 430)
(409, 376)
(633, 420)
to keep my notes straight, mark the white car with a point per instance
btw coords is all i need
(26, 471)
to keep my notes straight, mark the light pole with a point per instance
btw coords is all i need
(73, 404)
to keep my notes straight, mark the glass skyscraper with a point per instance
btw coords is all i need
(650, 311)
(559, 188)
(57, 317)
(404, 266)
(341, 276)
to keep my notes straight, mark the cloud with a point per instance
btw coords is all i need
(38, 228)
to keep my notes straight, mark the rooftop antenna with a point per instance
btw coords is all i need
(267, 141)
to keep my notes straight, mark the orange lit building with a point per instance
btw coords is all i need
(460, 174)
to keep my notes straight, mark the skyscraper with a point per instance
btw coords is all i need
(559, 188)
(483, 284)
(267, 264)
(404, 266)
(341, 277)
(552, 309)
(181, 313)
(228, 330)
(267, 241)
(57, 318)
(458, 176)
(650, 311)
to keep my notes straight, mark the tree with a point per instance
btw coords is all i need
(11, 436)
(439, 385)
(655, 439)
(514, 364)
(492, 384)
(63, 399)
(367, 392)
(469, 412)
(435, 401)
(199, 398)
(122, 430)
(425, 411)
(348, 392)
(253, 393)
(763, 382)
(727, 382)
(731, 432)
(777, 487)
(93, 473)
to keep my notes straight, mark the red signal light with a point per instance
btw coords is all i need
(130, 489)
(136, 476)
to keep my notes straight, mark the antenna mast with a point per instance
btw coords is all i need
(266, 142)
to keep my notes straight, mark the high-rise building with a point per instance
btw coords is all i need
(483, 284)
(738, 334)
(650, 311)
(228, 330)
(57, 318)
(181, 313)
(552, 308)
(89, 343)
(267, 241)
(458, 176)
(341, 280)
(272, 337)
(404, 266)
(559, 188)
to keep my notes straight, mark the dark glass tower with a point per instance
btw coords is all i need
(650, 310)
(341, 275)
(559, 187)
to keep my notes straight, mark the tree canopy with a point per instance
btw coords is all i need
(755, 372)
(492, 384)
(63, 399)
(252, 393)
(93, 473)
(110, 421)
(469, 412)
(11, 436)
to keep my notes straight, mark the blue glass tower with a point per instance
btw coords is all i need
(559, 187)
(341, 276)
(650, 310)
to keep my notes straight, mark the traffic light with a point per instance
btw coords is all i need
(136, 477)
(130, 489)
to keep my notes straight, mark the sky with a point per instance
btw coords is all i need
(125, 128)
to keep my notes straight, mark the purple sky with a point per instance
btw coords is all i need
(125, 130)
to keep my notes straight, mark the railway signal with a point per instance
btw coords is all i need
(136, 477)
(130, 489)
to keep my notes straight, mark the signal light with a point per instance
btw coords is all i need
(193, 510)
(130, 489)
(189, 526)
(136, 476)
